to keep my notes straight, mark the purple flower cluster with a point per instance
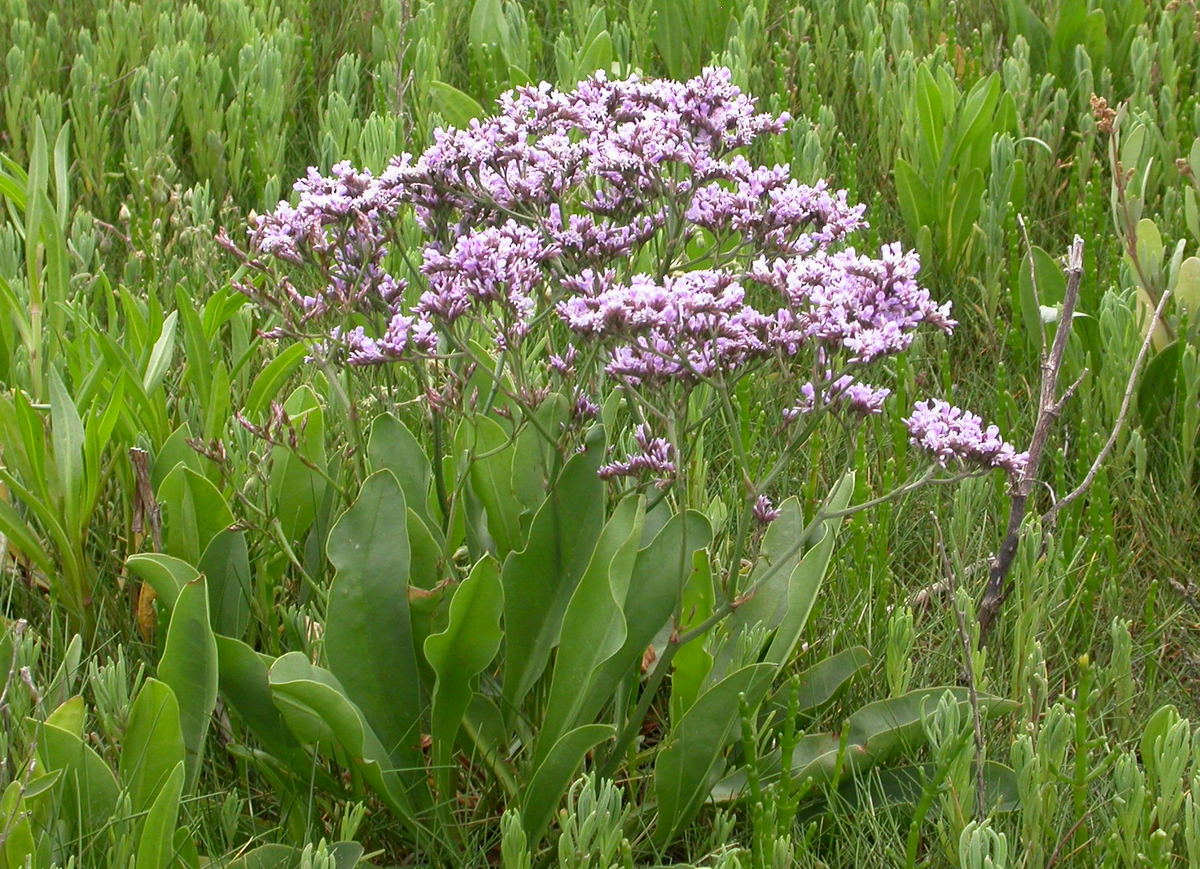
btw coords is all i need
(335, 226)
(588, 239)
(493, 199)
(403, 337)
(846, 301)
(494, 267)
(628, 212)
(656, 459)
(843, 392)
(621, 144)
(768, 207)
(765, 512)
(691, 326)
(953, 435)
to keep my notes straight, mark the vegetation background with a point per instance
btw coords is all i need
(977, 132)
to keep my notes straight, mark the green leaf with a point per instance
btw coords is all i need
(975, 128)
(491, 453)
(821, 682)
(226, 566)
(346, 855)
(1191, 212)
(805, 579)
(166, 574)
(197, 350)
(86, 792)
(488, 25)
(902, 787)
(161, 354)
(153, 743)
(874, 734)
(457, 655)
(368, 630)
(63, 683)
(19, 534)
(271, 379)
(1150, 248)
(156, 846)
(1187, 285)
(540, 579)
(593, 626)
(67, 433)
(931, 116)
(962, 213)
(916, 202)
(549, 783)
(297, 489)
(1044, 285)
(245, 685)
(596, 55)
(69, 715)
(195, 512)
(453, 105)
(317, 710)
(879, 730)
(1160, 382)
(649, 601)
(19, 847)
(535, 460)
(1156, 730)
(691, 754)
(174, 451)
(189, 667)
(780, 555)
(693, 662)
(219, 408)
(427, 555)
(393, 447)
(672, 35)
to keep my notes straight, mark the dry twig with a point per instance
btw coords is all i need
(1050, 405)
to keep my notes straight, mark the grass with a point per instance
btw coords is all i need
(183, 120)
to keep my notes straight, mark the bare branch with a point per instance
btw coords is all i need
(1049, 408)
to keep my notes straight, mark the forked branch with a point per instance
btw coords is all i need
(1050, 405)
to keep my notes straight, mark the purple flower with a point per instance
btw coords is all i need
(564, 365)
(767, 206)
(953, 435)
(584, 408)
(657, 459)
(587, 239)
(500, 265)
(623, 212)
(694, 325)
(867, 307)
(764, 511)
(844, 393)
(404, 338)
(339, 224)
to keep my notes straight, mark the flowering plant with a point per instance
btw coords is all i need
(579, 265)
(626, 212)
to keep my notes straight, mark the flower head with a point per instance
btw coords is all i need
(953, 435)
(764, 511)
(656, 459)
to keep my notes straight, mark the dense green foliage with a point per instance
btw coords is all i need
(189, 666)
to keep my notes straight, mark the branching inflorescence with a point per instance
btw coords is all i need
(623, 222)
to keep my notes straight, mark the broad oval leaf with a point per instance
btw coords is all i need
(368, 628)
(189, 667)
